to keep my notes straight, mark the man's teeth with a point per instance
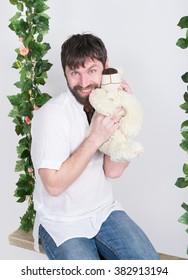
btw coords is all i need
(85, 90)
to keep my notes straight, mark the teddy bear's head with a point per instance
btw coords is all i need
(111, 79)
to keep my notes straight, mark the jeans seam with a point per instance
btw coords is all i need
(44, 234)
(109, 247)
(50, 252)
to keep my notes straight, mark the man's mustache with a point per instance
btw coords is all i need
(89, 87)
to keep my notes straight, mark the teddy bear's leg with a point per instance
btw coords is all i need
(131, 123)
(129, 150)
(121, 148)
(115, 147)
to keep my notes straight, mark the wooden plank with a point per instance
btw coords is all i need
(168, 257)
(24, 240)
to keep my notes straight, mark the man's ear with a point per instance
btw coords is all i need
(107, 63)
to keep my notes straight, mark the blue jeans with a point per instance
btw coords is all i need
(119, 238)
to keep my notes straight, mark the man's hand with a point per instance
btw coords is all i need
(104, 126)
(124, 86)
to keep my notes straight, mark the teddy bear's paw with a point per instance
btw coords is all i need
(120, 158)
(139, 150)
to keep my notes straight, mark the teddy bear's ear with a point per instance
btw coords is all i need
(109, 71)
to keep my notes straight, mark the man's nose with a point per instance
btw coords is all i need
(84, 81)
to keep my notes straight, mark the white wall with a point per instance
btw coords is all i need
(140, 37)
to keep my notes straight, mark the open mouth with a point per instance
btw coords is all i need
(85, 91)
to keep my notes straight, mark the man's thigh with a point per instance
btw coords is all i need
(72, 249)
(121, 238)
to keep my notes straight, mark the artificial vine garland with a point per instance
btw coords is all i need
(30, 23)
(182, 182)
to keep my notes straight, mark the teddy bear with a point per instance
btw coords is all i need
(121, 146)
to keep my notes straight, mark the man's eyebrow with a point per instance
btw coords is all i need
(92, 66)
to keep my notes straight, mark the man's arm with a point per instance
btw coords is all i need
(113, 169)
(56, 181)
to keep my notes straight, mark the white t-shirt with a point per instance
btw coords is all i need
(58, 128)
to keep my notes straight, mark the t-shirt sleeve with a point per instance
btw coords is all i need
(50, 139)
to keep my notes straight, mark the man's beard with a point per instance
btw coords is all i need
(80, 98)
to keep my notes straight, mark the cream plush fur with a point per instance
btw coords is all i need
(121, 146)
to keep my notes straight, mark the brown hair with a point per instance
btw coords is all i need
(76, 49)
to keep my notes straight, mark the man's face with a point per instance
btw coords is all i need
(82, 80)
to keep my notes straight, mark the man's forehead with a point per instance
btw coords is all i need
(87, 63)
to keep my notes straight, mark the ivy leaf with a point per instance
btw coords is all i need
(26, 128)
(42, 66)
(13, 2)
(28, 39)
(27, 220)
(15, 100)
(183, 23)
(20, 165)
(14, 112)
(18, 120)
(19, 130)
(37, 50)
(21, 199)
(184, 206)
(182, 43)
(25, 154)
(26, 109)
(15, 17)
(40, 7)
(181, 183)
(20, 27)
(185, 96)
(25, 141)
(25, 184)
(21, 150)
(184, 145)
(185, 169)
(25, 96)
(185, 77)
(25, 84)
(184, 129)
(184, 106)
(17, 64)
(20, 6)
(40, 81)
(42, 99)
(18, 84)
(39, 38)
(184, 219)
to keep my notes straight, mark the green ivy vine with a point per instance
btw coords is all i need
(182, 182)
(30, 23)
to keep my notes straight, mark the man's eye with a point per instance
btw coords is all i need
(92, 71)
(74, 73)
